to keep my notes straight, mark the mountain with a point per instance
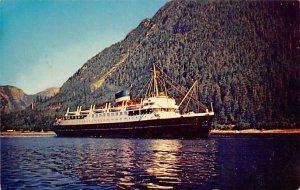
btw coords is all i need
(13, 99)
(48, 92)
(245, 55)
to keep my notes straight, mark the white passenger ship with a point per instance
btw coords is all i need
(155, 116)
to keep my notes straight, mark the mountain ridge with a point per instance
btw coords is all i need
(15, 99)
(244, 55)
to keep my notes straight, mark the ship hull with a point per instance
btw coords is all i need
(172, 128)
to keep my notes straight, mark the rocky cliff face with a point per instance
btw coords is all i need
(244, 54)
(14, 99)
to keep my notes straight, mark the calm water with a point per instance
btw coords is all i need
(227, 162)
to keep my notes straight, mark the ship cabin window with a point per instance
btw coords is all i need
(149, 104)
(146, 111)
(136, 112)
(168, 109)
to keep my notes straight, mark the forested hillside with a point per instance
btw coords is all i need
(245, 55)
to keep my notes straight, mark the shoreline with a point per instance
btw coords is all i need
(212, 132)
(12, 133)
(254, 131)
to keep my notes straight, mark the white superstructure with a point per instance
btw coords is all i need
(151, 108)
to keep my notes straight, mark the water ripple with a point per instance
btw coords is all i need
(92, 163)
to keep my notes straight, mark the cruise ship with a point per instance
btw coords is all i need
(157, 115)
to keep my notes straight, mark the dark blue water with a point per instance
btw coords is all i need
(228, 162)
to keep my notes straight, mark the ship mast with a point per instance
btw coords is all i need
(155, 81)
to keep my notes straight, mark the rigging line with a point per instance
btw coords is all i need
(149, 88)
(147, 83)
(190, 90)
(182, 93)
(161, 82)
(171, 82)
(185, 92)
(186, 106)
(170, 79)
(165, 88)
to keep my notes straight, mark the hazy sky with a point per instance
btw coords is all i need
(43, 42)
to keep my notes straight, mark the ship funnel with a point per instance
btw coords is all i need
(122, 95)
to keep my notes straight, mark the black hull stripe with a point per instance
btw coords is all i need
(191, 127)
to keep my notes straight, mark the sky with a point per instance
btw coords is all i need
(44, 42)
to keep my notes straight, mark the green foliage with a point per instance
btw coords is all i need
(243, 54)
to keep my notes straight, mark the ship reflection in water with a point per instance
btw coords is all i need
(95, 163)
(151, 164)
(170, 166)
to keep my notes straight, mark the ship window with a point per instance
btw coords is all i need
(147, 104)
(130, 113)
(148, 111)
